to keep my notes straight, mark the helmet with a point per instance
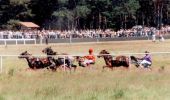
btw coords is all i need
(90, 50)
(146, 52)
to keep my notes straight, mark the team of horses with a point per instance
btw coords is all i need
(52, 63)
(47, 62)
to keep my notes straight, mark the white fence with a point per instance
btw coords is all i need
(17, 40)
(64, 56)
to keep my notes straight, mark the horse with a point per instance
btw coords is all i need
(111, 63)
(135, 61)
(49, 51)
(35, 63)
(60, 60)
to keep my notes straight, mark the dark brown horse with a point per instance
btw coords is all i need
(60, 60)
(111, 63)
(49, 51)
(34, 62)
(136, 61)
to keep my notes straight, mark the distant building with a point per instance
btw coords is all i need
(28, 25)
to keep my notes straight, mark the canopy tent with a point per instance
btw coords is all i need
(29, 24)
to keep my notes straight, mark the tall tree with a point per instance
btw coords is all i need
(85, 14)
(126, 10)
(43, 10)
(65, 17)
(80, 12)
(14, 10)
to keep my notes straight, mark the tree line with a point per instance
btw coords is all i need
(85, 14)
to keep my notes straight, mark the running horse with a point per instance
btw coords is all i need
(49, 51)
(136, 61)
(60, 60)
(35, 63)
(112, 63)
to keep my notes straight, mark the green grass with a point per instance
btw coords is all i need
(86, 84)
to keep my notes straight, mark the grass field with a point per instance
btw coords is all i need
(86, 84)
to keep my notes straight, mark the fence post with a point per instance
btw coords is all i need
(70, 38)
(41, 39)
(24, 41)
(35, 41)
(97, 38)
(1, 64)
(16, 42)
(5, 42)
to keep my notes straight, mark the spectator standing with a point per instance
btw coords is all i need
(46, 39)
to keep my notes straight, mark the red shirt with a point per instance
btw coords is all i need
(90, 57)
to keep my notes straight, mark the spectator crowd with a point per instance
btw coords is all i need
(136, 31)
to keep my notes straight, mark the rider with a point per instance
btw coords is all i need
(50, 57)
(146, 60)
(90, 58)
